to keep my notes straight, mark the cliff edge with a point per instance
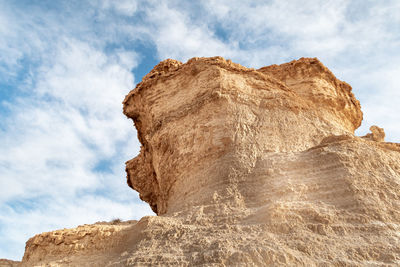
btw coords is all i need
(247, 167)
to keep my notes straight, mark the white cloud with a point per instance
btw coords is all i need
(9, 55)
(77, 112)
(175, 35)
(124, 7)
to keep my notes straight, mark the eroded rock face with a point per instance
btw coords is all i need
(73, 247)
(377, 134)
(189, 115)
(247, 167)
(9, 263)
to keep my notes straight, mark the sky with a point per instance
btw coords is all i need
(65, 67)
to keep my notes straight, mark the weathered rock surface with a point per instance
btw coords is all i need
(377, 134)
(74, 246)
(246, 167)
(9, 263)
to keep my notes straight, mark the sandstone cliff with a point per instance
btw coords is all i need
(246, 167)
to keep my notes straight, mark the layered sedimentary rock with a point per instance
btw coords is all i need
(86, 245)
(9, 263)
(207, 110)
(250, 167)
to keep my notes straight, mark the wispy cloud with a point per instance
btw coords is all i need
(124, 7)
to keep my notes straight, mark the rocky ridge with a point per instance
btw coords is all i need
(246, 167)
(9, 263)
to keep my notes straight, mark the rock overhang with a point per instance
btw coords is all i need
(207, 107)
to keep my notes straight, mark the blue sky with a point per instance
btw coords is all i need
(65, 67)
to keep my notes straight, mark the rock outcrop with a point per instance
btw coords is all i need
(190, 115)
(247, 167)
(73, 247)
(9, 263)
(377, 134)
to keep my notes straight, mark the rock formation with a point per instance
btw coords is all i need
(246, 167)
(9, 263)
(377, 134)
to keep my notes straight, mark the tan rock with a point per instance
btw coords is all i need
(192, 114)
(246, 167)
(9, 263)
(377, 134)
(72, 246)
